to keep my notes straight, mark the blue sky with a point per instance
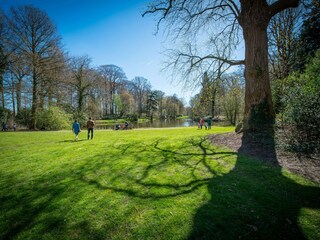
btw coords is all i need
(110, 32)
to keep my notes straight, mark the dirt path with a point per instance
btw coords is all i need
(302, 165)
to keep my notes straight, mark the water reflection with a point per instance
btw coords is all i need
(155, 124)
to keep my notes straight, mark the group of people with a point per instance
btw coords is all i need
(126, 126)
(5, 127)
(76, 128)
(205, 123)
(90, 125)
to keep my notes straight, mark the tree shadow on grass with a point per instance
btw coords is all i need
(73, 141)
(40, 210)
(248, 200)
(252, 201)
(256, 201)
(24, 204)
(150, 160)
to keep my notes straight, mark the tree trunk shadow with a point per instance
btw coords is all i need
(254, 200)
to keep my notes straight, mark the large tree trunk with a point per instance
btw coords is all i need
(259, 113)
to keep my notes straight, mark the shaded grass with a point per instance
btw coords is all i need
(146, 184)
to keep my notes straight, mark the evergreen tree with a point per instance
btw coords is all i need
(309, 40)
(152, 103)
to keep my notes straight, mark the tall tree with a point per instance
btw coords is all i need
(141, 88)
(51, 69)
(232, 99)
(127, 101)
(152, 103)
(34, 37)
(220, 21)
(82, 78)
(19, 70)
(209, 90)
(112, 76)
(160, 99)
(4, 53)
(173, 106)
(283, 31)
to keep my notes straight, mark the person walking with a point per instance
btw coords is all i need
(76, 129)
(90, 125)
(209, 123)
(4, 127)
(201, 122)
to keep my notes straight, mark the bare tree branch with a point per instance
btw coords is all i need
(233, 7)
(156, 9)
(195, 60)
(281, 5)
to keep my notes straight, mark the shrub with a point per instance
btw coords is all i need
(132, 117)
(5, 114)
(53, 119)
(303, 111)
(24, 117)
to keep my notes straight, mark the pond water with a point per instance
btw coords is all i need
(155, 124)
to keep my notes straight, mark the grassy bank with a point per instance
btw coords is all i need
(147, 184)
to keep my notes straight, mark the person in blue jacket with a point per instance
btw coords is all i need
(76, 128)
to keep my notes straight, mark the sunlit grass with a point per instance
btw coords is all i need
(146, 184)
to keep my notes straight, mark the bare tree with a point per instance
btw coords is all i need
(82, 79)
(283, 31)
(232, 99)
(141, 88)
(173, 106)
(35, 38)
(51, 69)
(223, 22)
(112, 76)
(209, 90)
(127, 101)
(19, 71)
(4, 53)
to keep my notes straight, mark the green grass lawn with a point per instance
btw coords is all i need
(147, 184)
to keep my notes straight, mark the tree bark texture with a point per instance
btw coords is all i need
(259, 113)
